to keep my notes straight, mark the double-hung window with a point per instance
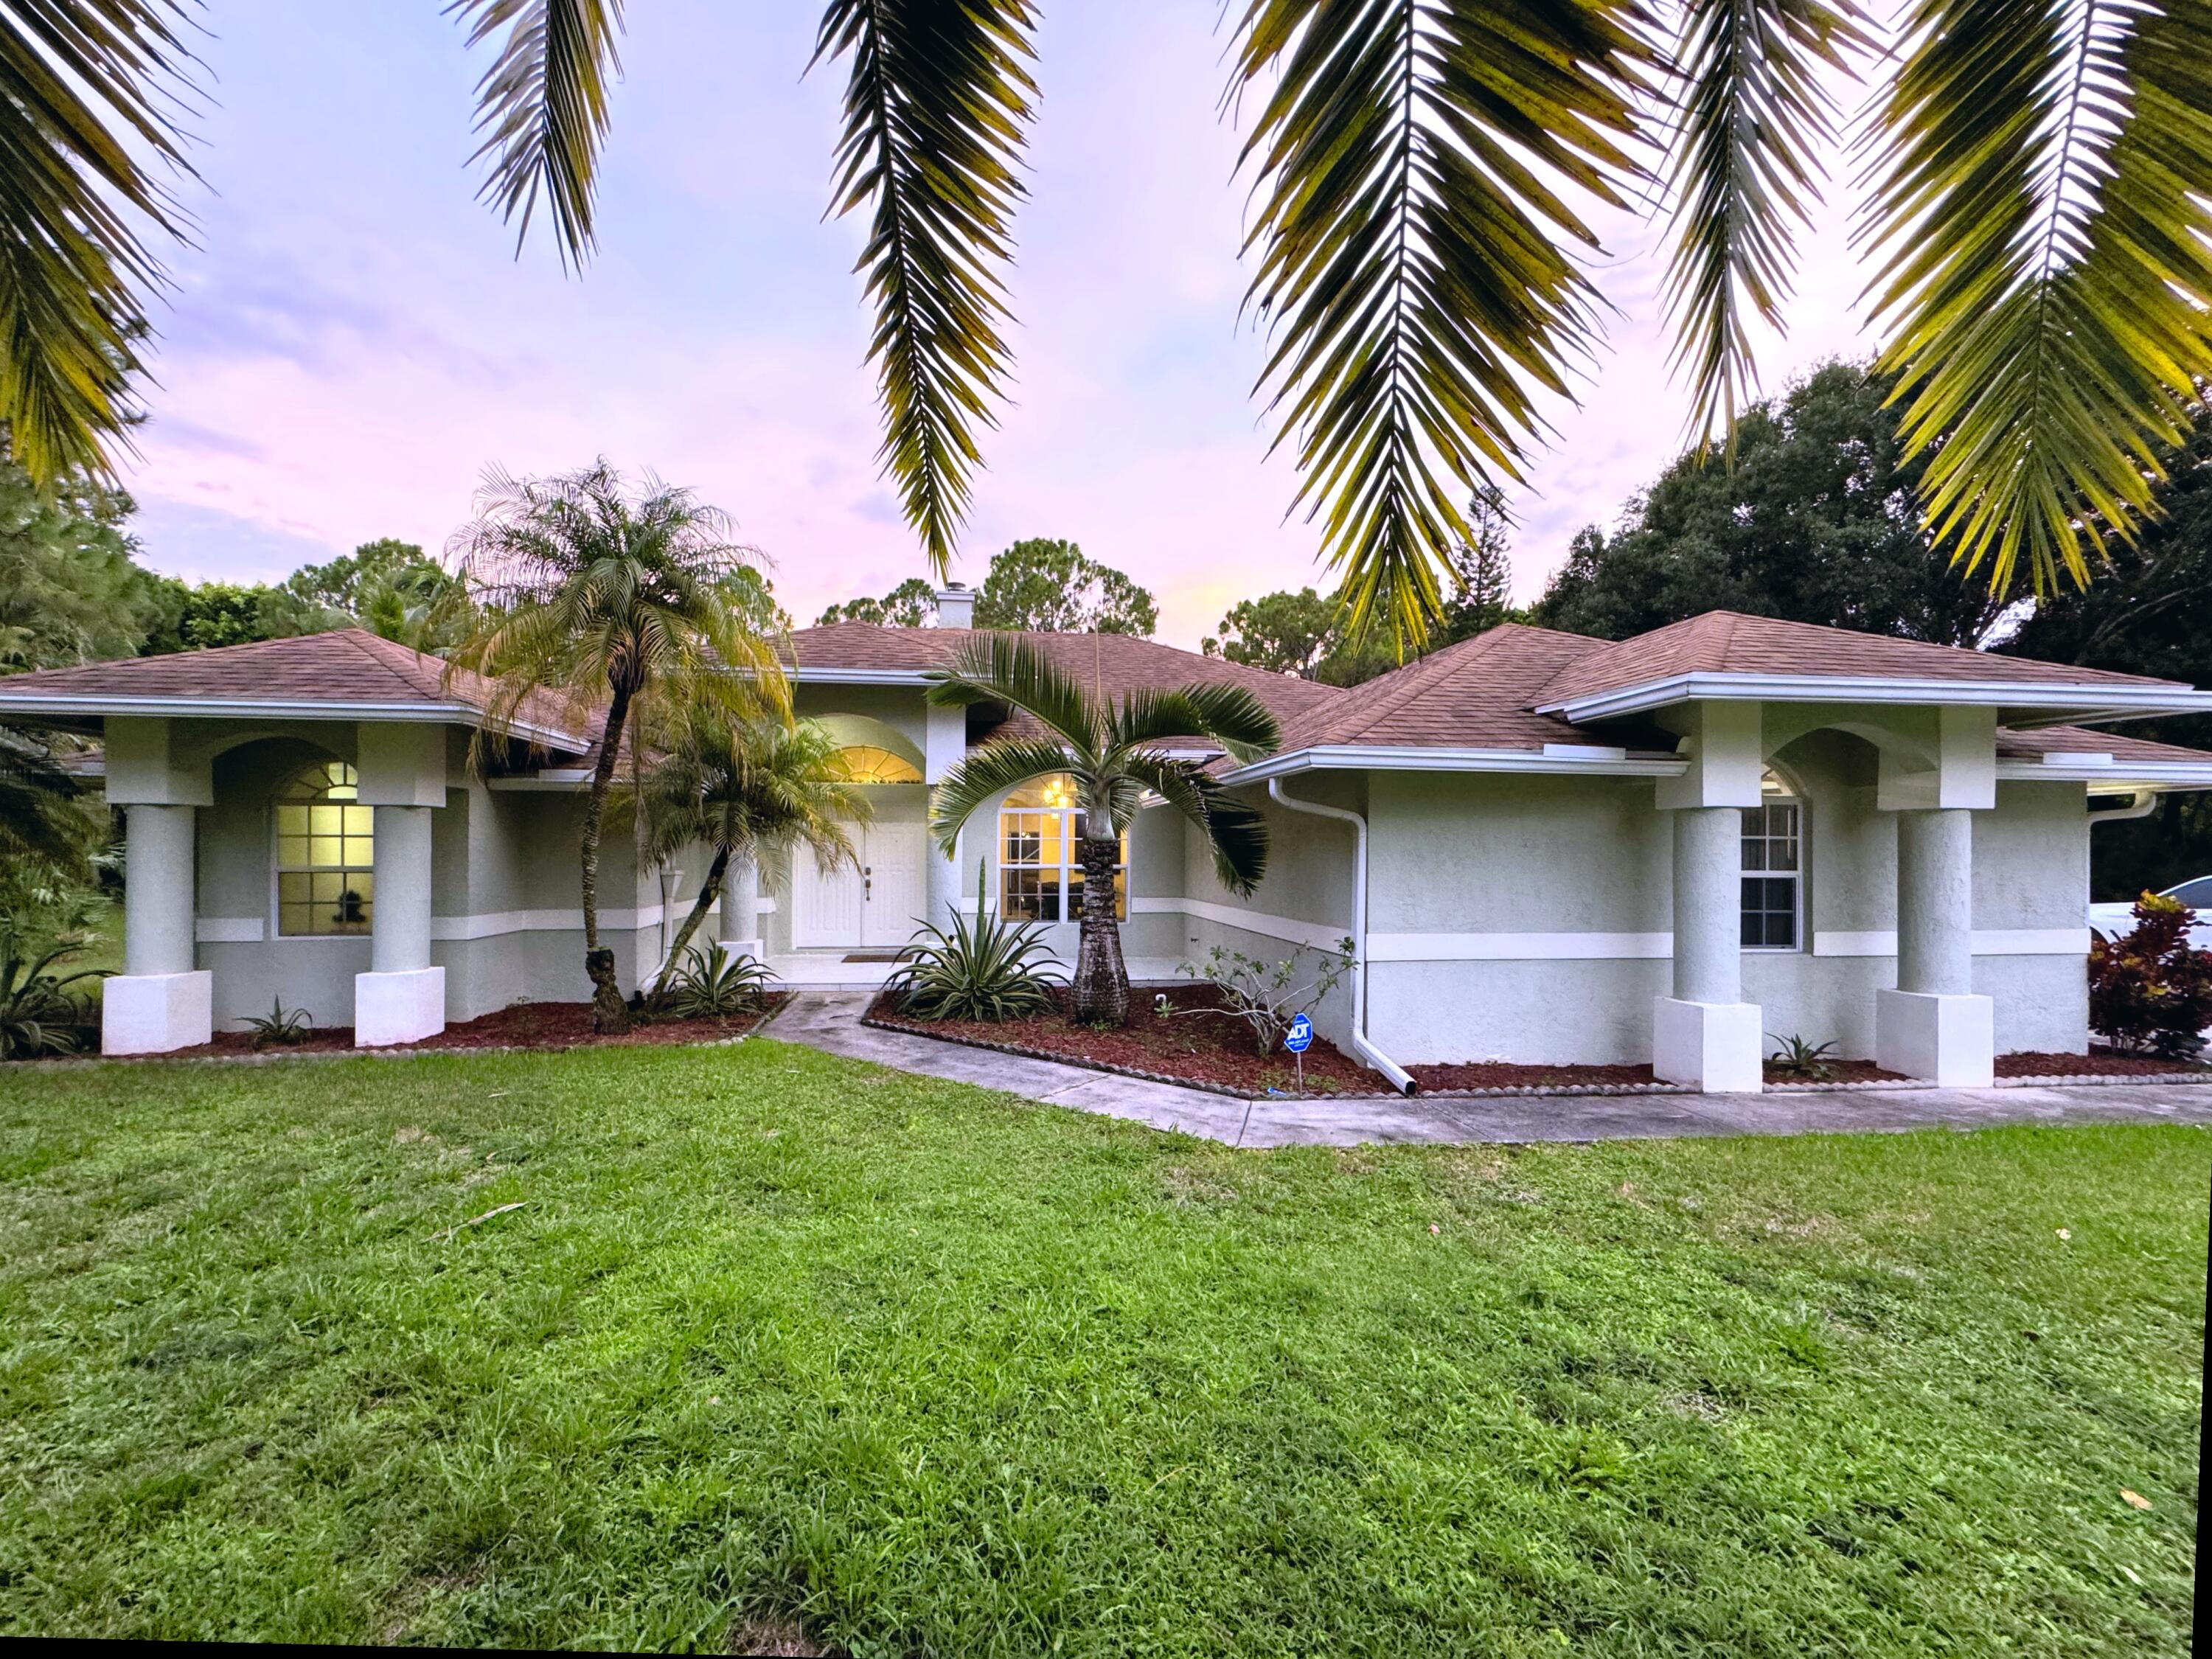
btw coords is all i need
(1041, 855)
(1773, 867)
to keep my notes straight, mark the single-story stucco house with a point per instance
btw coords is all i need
(1545, 848)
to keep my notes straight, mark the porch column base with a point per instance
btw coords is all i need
(1950, 1041)
(755, 948)
(392, 1008)
(1713, 1046)
(157, 1013)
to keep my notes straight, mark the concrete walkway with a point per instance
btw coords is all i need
(830, 1020)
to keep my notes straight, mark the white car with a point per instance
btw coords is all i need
(2113, 920)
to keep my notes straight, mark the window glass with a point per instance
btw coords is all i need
(325, 854)
(1039, 872)
(2197, 894)
(1772, 852)
(866, 763)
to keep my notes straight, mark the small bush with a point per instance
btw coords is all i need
(1808, 1062)
(2150, 991)
(40, 1013)
(1267, 999)
(711, 983)
(281, 1027)
(984, 968)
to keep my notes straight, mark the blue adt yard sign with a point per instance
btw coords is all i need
(1300, 1037)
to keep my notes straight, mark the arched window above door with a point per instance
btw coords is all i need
(864, 762)
(325, 854)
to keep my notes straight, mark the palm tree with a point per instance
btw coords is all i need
(619, 602)
(1114, 754)
(2039, 217)
(746, 787)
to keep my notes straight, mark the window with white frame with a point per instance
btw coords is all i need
(1773, 870)
(1040, 856)
(325, 854)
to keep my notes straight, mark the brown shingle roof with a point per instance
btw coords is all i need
(1729, 642)
(1478, 693)
(2087, 740)
(348, 666)
(1117, 664)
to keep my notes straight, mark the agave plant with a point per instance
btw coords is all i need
(39, 1012)
(281, 1027)
(711, 983)
(985, 968)
(1805, 1061)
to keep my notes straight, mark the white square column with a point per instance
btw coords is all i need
(738, 930)
(1705, 1036)
(160, 1002)
(1932, 1026)
(402, 999)
(945, 747)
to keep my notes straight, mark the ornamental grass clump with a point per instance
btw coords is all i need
(983, 970)
(711, 983)
(2150, 990)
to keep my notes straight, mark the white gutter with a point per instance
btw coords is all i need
(77, 707)
(2094, 701)
(1556, 759)
(1401, 1079)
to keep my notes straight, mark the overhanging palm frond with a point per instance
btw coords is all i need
(2042, 215)
(1236, 833)
(88, 92)
(1412, 158)
(990, 770)
(1229, 714)
(1750, 114)
(935, 113)
(1004, 668)
(541, 108)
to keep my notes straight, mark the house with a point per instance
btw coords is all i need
(1545, 848)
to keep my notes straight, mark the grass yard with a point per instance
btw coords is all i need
(779, 1342)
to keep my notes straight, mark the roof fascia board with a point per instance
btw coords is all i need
(2110, 777)
(262, 708)
(820, 675)
(1395, 757)
(2110, 701)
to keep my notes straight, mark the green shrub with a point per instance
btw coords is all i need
(40, 1013)
(2150, 991)
(1808, 1062)
(280, 1027)
(711, 983)
(984, 968)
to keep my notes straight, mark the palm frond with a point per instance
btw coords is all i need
(1750, 117)
(90, 95)
(1006, 668)
(2043, 219)
(541, 108)
(990, 770)
(935, 111)
(1236, 833)
(1413, 164)
(1228, 715)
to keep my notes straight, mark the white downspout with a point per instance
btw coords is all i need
(1401, 1079)
(2144, 803)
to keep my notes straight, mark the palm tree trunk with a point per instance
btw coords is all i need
(1102, 980)
(610, 1013)
(707, 891)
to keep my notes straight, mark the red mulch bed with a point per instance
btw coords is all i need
(1840, 1070)
(1498, 1074)
(2098, 1062)
(1196, 1044)
(546, 1025)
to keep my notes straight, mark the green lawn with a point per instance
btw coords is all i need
(934, 1370)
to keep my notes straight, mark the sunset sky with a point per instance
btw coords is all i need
(352, 342)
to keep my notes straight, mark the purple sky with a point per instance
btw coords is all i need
(352, 343)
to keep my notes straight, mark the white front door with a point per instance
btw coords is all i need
(872, 905)
(891, 883)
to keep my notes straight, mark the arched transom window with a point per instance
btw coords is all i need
(325, 854)
(866, 763)
(1040, 864)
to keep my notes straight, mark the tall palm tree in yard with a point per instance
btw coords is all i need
(2038, 220)
(620, 604)
(746, 787)
(1115, 753)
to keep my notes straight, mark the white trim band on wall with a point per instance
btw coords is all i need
(1988, 942)
(1315, 935)
(1520, 947)
(562, 921)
